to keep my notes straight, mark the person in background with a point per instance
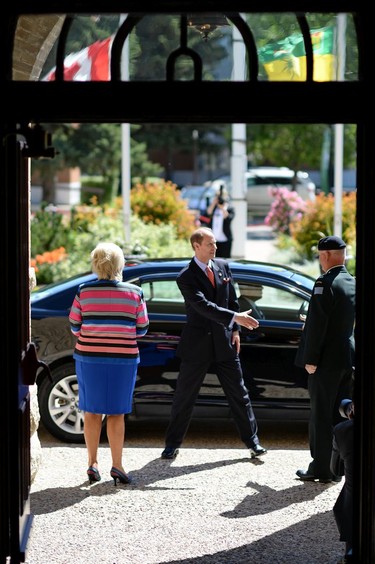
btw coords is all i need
(326, 351)
(210, 335)
(221, 214)
(342, 464)
(107, 317)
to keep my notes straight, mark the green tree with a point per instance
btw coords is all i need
(141, 167)
(295, 145)
(96, 150)
(177, 139)
(150, 63)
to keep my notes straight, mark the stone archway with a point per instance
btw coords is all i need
(33, 42)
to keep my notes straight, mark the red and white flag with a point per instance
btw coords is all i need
(92, 63)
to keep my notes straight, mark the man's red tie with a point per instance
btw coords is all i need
(210, 275)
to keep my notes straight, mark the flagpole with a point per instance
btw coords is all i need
(125, 147)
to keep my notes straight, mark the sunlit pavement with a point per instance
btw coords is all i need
(260, 241)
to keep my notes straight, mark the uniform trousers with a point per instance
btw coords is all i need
(326, 389)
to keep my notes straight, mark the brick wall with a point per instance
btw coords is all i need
(35, 36)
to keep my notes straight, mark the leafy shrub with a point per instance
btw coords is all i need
(160, 203)
(299, 229)
(94, 186)
(318, 221)
(84, 215)
(49, 230)
(90, 224)
(46, 264)
(287, 206)
(158, 241)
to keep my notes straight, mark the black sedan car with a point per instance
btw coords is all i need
(278, 296)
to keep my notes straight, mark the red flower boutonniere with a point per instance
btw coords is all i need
(224, 279)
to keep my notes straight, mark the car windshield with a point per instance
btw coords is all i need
(193, 191)
(269, 180)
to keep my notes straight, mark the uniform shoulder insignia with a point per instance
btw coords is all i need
(319, 286)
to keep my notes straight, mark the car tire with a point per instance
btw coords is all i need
(58, 404)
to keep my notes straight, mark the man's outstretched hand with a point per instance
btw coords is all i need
(246, 320)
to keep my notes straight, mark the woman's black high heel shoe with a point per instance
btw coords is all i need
(93, 474)
(120, 476)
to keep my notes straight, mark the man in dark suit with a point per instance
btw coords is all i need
(342, 462)
(211, 335)
(326, 351)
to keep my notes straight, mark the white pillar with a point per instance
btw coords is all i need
(339, 129)
(239, 157)
(125, 178)
(238, 169)
(338, 178)
(125, 147)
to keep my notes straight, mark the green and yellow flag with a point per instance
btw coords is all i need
(286, 59)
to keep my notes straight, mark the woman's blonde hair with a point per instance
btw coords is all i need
(107, 261)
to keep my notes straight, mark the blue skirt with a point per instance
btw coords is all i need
(104, 388)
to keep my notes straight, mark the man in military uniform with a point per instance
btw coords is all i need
(326, 352)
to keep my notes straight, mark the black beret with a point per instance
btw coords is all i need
(331, 243)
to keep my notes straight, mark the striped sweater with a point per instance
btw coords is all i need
(107, 317)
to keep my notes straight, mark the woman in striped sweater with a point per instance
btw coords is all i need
(107, 317)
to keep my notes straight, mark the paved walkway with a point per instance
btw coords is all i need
(212, 505)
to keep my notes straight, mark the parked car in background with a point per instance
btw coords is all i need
(349, 181)
(259, 182)
(198, 198)
(278, 296)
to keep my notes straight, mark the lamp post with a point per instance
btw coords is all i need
(195, 136)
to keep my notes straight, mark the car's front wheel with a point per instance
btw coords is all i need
(58, 404)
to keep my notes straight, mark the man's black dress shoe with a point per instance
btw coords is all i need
(305, 476)
(169, 453)
(257, 450)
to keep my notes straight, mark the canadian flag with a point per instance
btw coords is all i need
(92, 63)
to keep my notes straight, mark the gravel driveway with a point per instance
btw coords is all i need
(211, 505)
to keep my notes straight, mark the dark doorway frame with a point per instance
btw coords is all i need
(246, 103)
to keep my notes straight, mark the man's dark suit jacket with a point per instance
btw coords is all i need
(327, 340)
(208, 320)
(342, 463)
